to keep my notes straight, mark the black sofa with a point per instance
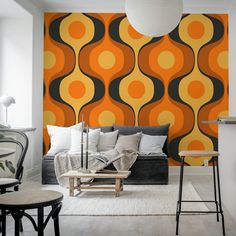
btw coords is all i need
(148, 169)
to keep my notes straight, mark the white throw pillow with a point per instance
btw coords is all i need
(151, 144)
(93, 137)
(107, 141)
(60, 138)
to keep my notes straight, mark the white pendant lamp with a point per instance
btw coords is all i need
(154, 17)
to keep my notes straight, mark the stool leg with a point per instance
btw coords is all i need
(56, 226)
(0, 221)
(40, 221)
(3, 223)
(219, 194)
(17, 227)
(215, 194)
(17, 215)
(55, 218)
(179, 203)
(21, 226)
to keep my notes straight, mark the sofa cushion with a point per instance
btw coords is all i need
(150, 130)
(152, 157)
(48, 157)
(104, 129)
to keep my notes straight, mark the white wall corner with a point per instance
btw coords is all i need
(232, 60)
(33, 7)
(37, 75)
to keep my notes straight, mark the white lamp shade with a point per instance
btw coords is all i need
(154, 17)
(6, 101)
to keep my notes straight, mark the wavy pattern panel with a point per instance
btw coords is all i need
(56, 54)
(107, 60)
(98, 65)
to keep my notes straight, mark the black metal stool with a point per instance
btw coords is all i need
(216, 178)
(16, 203)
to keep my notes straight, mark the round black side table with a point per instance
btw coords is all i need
(16, 203)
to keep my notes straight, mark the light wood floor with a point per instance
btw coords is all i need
(200, 225)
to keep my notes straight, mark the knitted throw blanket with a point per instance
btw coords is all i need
(65, 162)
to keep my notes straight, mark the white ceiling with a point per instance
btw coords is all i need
(80, 5)
(9, 8)
(118, 5)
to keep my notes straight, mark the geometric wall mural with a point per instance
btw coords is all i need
(99, 66)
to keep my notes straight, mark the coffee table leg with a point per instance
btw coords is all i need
(122, 185)
(40, 221)
(79, 184)
(71, 186)
(117, 187)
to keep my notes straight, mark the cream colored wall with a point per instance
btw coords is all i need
(232, 59)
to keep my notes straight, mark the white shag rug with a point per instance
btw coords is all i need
(135, 200)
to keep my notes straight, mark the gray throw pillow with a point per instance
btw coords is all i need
(128, 142)
(107, 141)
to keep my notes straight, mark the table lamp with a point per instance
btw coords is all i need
(6, 101)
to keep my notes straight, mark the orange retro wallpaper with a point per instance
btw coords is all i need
(99, 66)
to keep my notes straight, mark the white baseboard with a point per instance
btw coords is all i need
(173, 170)
(191, 170)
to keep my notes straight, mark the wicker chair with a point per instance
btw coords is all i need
(6, 138)
(7, 183)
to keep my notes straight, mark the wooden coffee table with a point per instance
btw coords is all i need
(75, 181)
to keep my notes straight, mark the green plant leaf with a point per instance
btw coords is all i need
(2, 166)
(10, 166)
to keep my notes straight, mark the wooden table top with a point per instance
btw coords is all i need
(4, 152)
(220, 122)
(198, 153)
(118, 174)
(8, 182)
(30, 199)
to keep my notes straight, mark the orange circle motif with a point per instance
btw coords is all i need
(133, 33)
(77, 30)
(196, 89)
(136, 89)
(196, 145)
(76, 89)
(196, 29)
